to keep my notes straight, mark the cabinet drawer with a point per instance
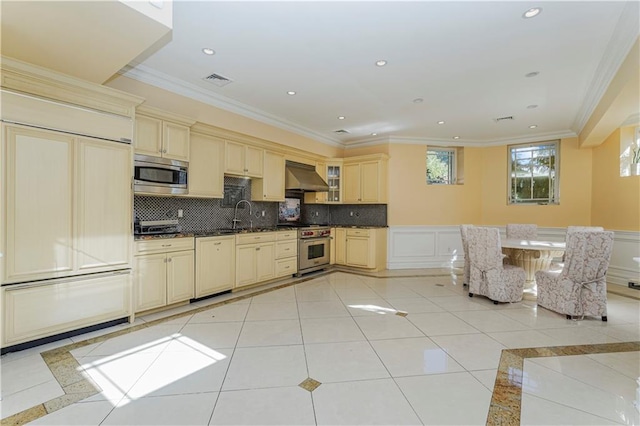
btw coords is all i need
(287, 235)
(165, 245)
(286, 266)
(286, 249)
(255, 237)
(358, 232)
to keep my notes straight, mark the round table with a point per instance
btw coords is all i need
(532, 255)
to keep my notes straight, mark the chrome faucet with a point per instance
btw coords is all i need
(235, 214)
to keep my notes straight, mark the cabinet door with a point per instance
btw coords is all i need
(148, 136)
(215, 265)
(180, 276)
(234, 155)
(334, 180)
(273, 180)
(370, 184)
(246, 257)
(358, 252)
(265, 261)
(341, 245)
(150, 282)
(103, 205)
(175, 141)
(351, 183)
(254, 162)
(206, 177)
(38, 203)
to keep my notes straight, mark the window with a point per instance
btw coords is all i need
(533, 173)
(441, 166)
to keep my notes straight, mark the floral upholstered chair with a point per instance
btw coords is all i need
(521, 231)
(488, 276)
(580, 288)
(583, 228)
(465, 249)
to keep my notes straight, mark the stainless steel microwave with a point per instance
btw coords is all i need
(155, 175)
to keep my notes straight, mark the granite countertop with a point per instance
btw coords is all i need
(359, 226)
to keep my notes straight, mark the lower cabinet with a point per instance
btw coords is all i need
(215, 265)
(361, 248)
(164, 273)
(286, 253)
(255, 263)
(36, 310)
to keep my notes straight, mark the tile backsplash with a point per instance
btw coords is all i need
(200, 214)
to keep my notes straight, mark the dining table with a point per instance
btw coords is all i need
(532, 256)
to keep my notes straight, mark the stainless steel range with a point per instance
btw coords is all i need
(313, 248)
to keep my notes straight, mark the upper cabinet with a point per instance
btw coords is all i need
(365, 179)
(160, 134)
(331, 173)
(243, 160)
(206, 178)
(271, 186)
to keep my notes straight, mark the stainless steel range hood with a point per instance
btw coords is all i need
(302, 177)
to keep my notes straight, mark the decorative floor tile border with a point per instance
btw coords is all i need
(506, 402)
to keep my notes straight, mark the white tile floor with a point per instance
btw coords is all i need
(241, 363)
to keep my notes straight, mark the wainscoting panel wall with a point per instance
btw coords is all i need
(415, 247)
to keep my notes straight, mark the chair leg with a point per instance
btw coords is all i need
(495, 302)
(604, 318)
(470, 294)
(568, 317)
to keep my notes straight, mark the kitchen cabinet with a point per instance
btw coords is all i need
(161, 134)
(332, 247)
(215, 265)
(206, 176)
(341, 246)
(286, 253)
(163, 272)
(365, 179)
(361, 247)
(36, 310)
(243, 160)
(68, 204)
(255, 258)
(271, 186)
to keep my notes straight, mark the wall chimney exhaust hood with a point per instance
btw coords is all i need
(302, 177)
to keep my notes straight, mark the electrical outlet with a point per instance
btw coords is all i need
(180, 213)
(351, 214)
(262, 213)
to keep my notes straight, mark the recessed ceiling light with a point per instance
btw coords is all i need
(418, 100)
(291, 92)
(374, 134)
(381, 63)
(532, 106)
(456, 137)
(440, 122)
(208, 51)
(341, 117)
(534, 11)
(533, 126)
(532, 74)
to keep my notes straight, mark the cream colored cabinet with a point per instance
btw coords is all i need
(332, 247)
(365, 179)
(206, 176)
(341, 246)
(286, 253)
(366, 248)
(215, 265)
(317, 197)
(164, 272)
(161, 134)
(68, 204)
(271, 186)
(243, 160)
(36, 310)
(255, 258)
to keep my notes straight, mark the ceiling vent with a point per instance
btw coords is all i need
(507, 118)
(218, 80)
(341, 132)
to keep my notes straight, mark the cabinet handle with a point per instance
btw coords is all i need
(217, 244)
(166, 245)
(257, 248)
(286, 267)
(256, 238)
(287, 249)
(170, 259)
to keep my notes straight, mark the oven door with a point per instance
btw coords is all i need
(313, 253)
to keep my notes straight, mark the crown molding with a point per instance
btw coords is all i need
(632, 120)
(620, 43)
(538, 137)
(150, 76)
